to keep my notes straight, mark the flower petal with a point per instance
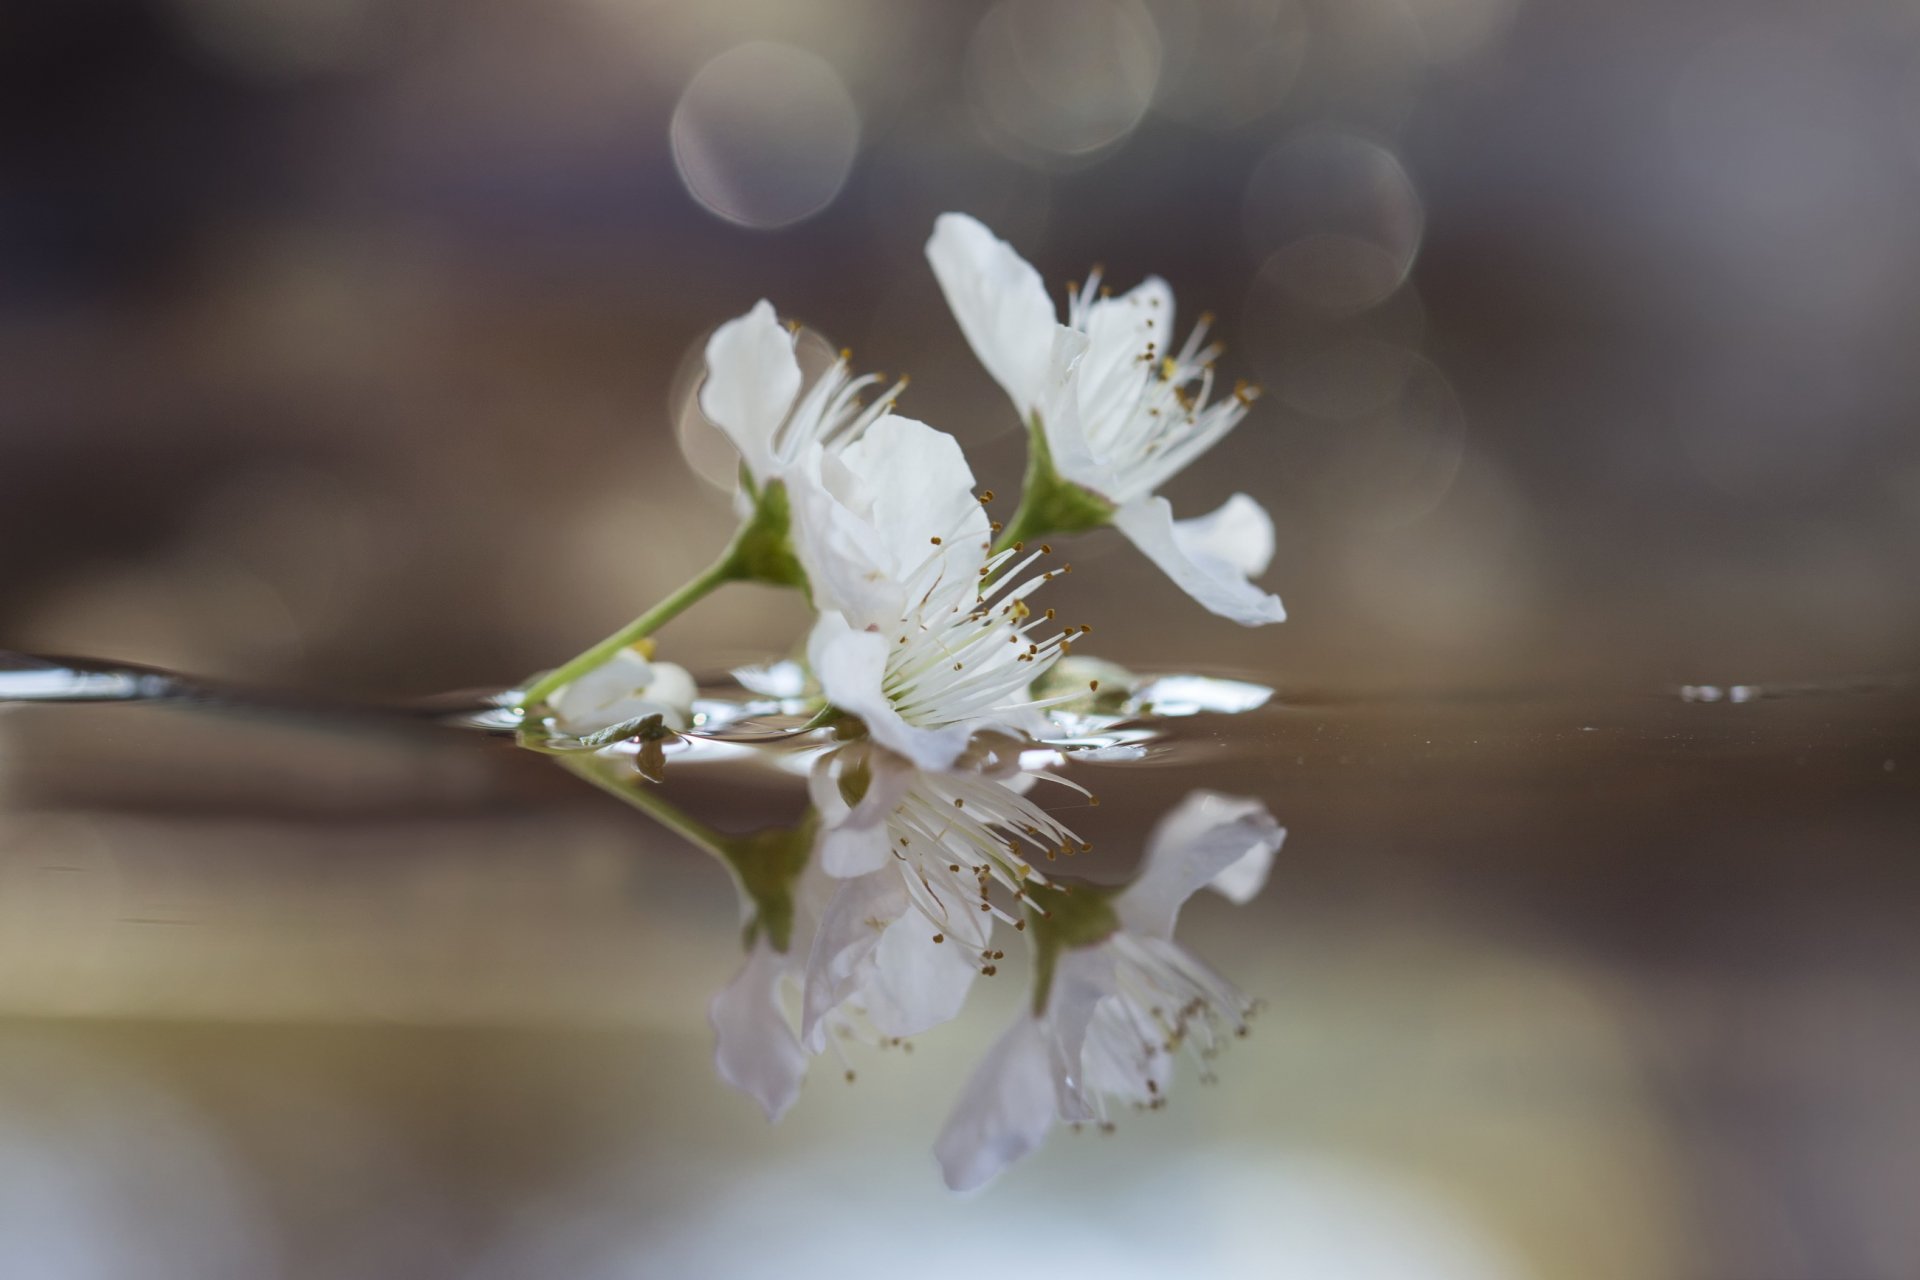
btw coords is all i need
(1209, 557)
(1003, 1113)
(755, 1050)
(850, 930)
(851, 666)
(1000, 303)
(624, 687)
(853, 841)
(917, 493)
(1238, 532)
(1073, 453)
(1209, 838)
(874, 950)
(1118, 1061)
(916, 983)
(752, 379)
(1132, 330)
(846, 564)
(1082, 978)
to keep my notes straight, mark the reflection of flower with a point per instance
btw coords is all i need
(1117, 410)
(921, 855)
(1115, 997)
(624, 688)
(876, 955)
(890, 947)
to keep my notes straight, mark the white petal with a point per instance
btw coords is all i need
(1209, 557)
(916, 983)
(1207, 839)
(848, 568)
(673, 686)
(783, 679)
(917, 488)
(850, 930)
(1122, 330)
(624, 687)
(850, 666)
(1073, 454)
(1000, 303)
(853, 842)
(1003, 1113)
(1082, 978)
(1242, 881)
(1238, 532)
(1115, 1062)
(755, 1050)
(752, 379)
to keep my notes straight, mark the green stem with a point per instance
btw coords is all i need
(726, 569)
(691, 830)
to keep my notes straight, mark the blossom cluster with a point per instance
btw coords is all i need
(934, 682)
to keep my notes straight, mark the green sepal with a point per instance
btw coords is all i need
(763, 549)
(1049, 502)
(1061, 917)
(767, 865)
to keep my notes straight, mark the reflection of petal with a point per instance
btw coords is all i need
(873, 948)
(917, 983)
(853, 840)
(1081, 979)
(755, 1050)
(1209, 557)
(849, 931)
(783, 679)
(1224, 841)
(752, 379)
(1000, 303)
(1003, 1114)
(1190, 695)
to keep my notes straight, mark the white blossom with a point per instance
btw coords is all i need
(923, 633)
(624, 688)
(1121, 407)
(1116, 1009)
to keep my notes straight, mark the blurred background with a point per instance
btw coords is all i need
(351, 345)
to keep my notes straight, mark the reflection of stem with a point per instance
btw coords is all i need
(643, 798)
(726, 569)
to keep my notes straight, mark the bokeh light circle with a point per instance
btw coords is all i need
(1340, 215)
(1054, 80)
(1227, 64)
(765, 135)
